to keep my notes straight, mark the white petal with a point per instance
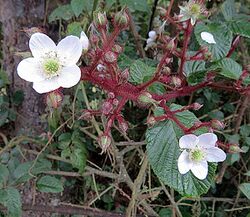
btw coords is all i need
(152, 34)
(208, 37)
(40, 44)
(207, 140)
(69, 50)
(84, 41)
(46, 85)
(69, 76)
(150, 40)
(188, 141)
(215, 154)
(184, 163)
(193, 20)
(200, 170)
(29, 69)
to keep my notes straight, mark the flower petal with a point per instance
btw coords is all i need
(200, 170)
(69, 50)
(84, 41)
(46, 85)
(208, 37)
(40, 44)
(188, 141)
(184, 163)
(29, 69)
(207, 140)
(215, 154)
(69, 76)
(152, 34)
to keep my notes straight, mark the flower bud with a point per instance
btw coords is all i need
(86, 115)
(110, 57)
(115, 102)
(234, 148)
(171, 44)
(216, 124)
(107, 107)
(122, 124)
(117, 49)
(104, 142)
(197, 106)
(54, 99)
(100, 20)
(111, 95)
(100, 67)
(121, 19)
(151, 121)
(176, 81)
(146, 98)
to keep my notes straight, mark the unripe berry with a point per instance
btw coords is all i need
(117, 49)
(145, 98)
(54, 99)
(216, 124)
(197, 106)
(151, 121)
(100, 20)
(176, 81)
(110, 57)
(234, 148)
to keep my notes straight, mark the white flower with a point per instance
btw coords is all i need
(152, 34)
(198, 151)
(84, 41)
(52, 66)
(191, 10)
(208, 37)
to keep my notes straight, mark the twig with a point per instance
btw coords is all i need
(136, 35)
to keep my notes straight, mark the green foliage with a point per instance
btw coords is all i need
(63, 12)
(136, 5)
(74, 28)
(222, 36)
(229, 68)
(163, 151)
(49, 184)
(10, 198)
(245, 189)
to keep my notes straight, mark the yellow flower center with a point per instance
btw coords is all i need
(196, 155)
(195, 9)
(51, 67)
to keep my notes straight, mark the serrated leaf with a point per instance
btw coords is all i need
(63, 12)
(163, 152)
(49, 184)
(77, 6)
(41, 166)
(64, 140)
(140, 72)
(230, 68)
(222, 36)
(74, 28)
(240, 27)
(228, 9)
(78, 158)
(245, 189)
(21, 173)
(11, 199)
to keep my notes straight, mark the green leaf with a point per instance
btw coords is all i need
(140, 72)
(228, 9)
(63, 12)
(41, 166)
(165, 212)
(240, 27)
(18, 97)
(157, 88)
(21, 173)
(195, 66)
(11, 199)
(245, 189)
(163, 152)
(4, 174)
(136, 5)
(64, 140)
(230, 68)
(245, 130)
(74, 28)
(3, 115)
(77, 6)
(49, 184)
(222, 36)
(78, 158)
(247, 173)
